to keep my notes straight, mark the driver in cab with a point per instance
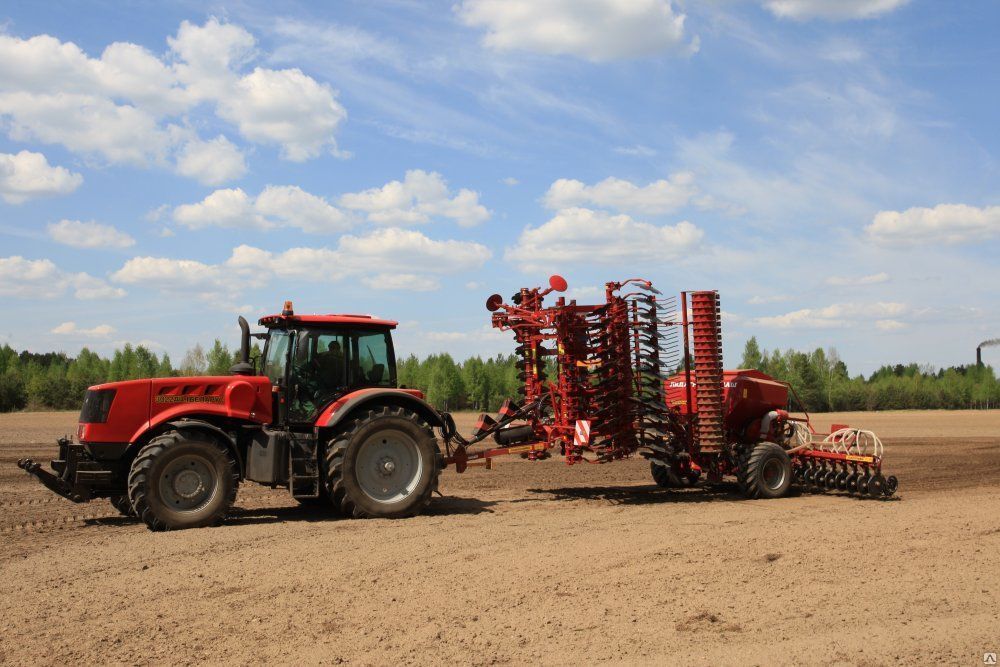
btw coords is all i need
(330, 366)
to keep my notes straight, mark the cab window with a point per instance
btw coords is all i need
(374, 364)
(276, 356)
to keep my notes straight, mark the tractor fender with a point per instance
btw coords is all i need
(196, 425)
(412, 399)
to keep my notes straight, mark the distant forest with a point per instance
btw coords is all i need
(821, 380)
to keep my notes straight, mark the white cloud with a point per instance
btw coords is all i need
(420, 197)
(42, 279)
(88, 235)
(662, 196)
(121, 106)
(170, 274)
(890, 325)
(872, 279)
(211, 162)
(834, 10)
(945, 223)
(768, 298)
(838, 315)
(87, 124)
(28, 175)
(583, 236)
(222, 208)
(70, 329)
(88, 288)
(287, 108)
(275, 206)
(597, 30)
(636, 151)
(511, 181)
(401, 281)
(416, 261)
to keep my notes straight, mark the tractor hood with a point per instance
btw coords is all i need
(123, 411)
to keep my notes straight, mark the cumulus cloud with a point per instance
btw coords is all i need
(28, 175)
(211, 162)
(286, 108)
(945, 223)
(70, 329)
(42, 279)
(662, 196)
(88, 235)
(275, 206)
(418, 198)
(872, 279)
(838, 315)
(415, 257)
(598, 30)
(833, 10)
(584, 236)
(128, 105)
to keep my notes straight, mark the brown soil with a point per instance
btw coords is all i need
(527, 563)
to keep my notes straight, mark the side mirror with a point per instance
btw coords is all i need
(558, 284)
(494, 302)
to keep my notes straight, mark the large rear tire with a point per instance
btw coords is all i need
(184, 480)
(382, 464)
(767, 472)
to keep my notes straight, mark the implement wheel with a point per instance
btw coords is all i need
(382, 464)
(768, 472)
(184, 480)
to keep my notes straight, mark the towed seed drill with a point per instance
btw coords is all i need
(642, 373)
(323, 416)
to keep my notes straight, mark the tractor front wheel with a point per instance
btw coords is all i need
(382, 464)
(183, 480)
(123, 505)
(766, 472)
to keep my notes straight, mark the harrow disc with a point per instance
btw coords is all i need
(876, 485)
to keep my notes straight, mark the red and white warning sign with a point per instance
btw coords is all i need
(581, 438)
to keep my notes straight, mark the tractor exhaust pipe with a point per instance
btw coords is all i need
(979, 356)
(243, 366)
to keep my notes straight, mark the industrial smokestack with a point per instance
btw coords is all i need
(979, 350)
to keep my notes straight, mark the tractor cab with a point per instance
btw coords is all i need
(312, 360)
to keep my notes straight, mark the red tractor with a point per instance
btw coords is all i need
(323, 417)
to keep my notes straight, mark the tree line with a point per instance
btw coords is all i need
(823, 384)
(53, 380)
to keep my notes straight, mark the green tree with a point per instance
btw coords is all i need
(194, 362)
(752, 357)
(219, 359)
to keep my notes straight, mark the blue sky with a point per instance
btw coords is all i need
(831, 166)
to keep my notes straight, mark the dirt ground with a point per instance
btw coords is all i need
(527, 563)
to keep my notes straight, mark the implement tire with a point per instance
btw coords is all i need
(767, 472)
(183, 481)
(384, 463)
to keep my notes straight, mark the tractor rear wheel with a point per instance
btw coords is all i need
(382, 464)
(767, 472)
(183, 480)
(123, 505)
